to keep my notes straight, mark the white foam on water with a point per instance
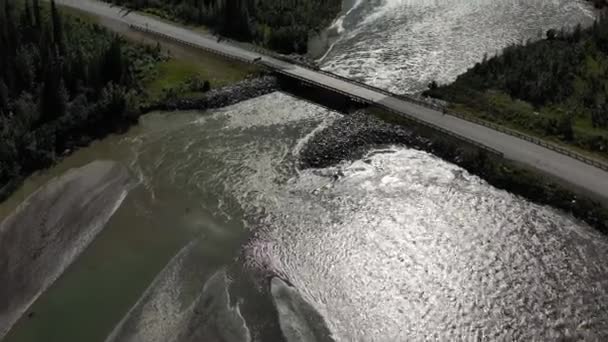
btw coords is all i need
(338, 26)
(275, 109)
(404, 45)
(406, 246)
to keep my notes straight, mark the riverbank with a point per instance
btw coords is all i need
(351, 136)
(215, 98)
(221, 97)
(167, 75)
(59, 94)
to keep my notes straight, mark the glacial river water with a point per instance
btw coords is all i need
(224, 238)
(403, 45)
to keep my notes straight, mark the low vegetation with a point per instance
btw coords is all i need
(192, 76)
(556, 88)
(283, 26)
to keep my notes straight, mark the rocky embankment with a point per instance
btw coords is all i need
(351, 136)
(222, 97)
(48, 231)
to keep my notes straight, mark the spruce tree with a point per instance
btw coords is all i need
(57, 28)
(3, 96)
(37, 16)
(27, 15)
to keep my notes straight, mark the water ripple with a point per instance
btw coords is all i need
(402, 45)
(408, 247)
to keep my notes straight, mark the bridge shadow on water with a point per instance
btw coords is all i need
(319, 96)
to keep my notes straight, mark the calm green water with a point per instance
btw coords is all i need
(196, 172)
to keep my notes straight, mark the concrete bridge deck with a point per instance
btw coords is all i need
(579, 172)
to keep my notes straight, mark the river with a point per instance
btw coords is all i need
(225, 238)
(403, 45)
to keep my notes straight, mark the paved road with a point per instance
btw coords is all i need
(586, 177)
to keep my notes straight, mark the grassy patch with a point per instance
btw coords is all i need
(171, 75)
(184, 64)
(177, 73)
(499, 108)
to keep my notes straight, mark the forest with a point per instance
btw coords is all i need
(283, 26)
(555, 88)
(63, 82)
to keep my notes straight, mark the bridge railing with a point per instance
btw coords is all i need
(537, 141)
(185, 43)
(400, 113)
(411, 99)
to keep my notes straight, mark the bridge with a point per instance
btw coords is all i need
(585, 173)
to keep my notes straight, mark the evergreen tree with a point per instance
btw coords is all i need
(57, 28)
(3, 96)
(112, 63)
(27, 15)
(564, 127)
(280, 25)
(53, 101)
(24, 69)
(51, 82)
(37, 16)
(565, 73)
